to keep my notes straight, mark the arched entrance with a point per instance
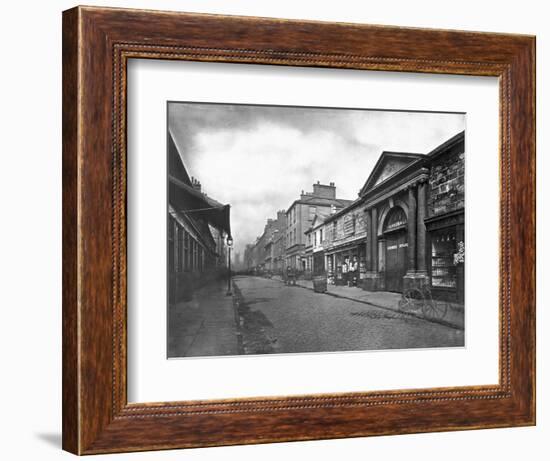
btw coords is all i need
(395, 236)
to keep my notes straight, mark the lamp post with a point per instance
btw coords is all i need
(229, 245)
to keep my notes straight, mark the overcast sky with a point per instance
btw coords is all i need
(259, 158)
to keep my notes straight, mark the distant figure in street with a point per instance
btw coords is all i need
(345, 271)
(290, 276)
(353, 272)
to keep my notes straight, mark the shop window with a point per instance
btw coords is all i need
(444, 248)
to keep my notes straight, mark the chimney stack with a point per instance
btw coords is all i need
(324, 190)
(196, 184)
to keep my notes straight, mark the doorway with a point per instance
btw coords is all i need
(395, 234)
(396, 260)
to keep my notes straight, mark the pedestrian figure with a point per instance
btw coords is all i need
(353, 272)
(345, 271)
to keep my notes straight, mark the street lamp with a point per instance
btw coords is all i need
(229, 245)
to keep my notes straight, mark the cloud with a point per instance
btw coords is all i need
(259, 158)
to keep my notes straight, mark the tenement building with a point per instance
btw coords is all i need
(198, 227)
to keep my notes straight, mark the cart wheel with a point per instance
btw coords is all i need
(434, 310)
(404, 303)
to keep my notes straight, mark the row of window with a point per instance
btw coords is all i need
(185, 254)
(292, 215)
(348, 226)
(315, 238)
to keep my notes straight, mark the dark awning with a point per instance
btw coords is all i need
(187, 200)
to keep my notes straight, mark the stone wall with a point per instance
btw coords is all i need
(446, 190)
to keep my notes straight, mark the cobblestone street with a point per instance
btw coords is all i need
(265, 316)
(276, 318)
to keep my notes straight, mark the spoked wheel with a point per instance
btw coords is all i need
(403, 303)
(431, 308)
(411, 300)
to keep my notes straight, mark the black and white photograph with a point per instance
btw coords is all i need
(296, 229)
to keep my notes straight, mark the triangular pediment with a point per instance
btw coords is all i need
(390, 168)
(389, 164)
(318, 219)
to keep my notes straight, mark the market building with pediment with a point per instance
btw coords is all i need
(406, 228)
(414, 206)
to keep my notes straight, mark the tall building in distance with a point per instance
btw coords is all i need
(299, 217)
(267, 253)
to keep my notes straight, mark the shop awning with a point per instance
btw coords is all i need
(187, 200)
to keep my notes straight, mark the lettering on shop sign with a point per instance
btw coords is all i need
(394, 247)
(349, 224)
(396, 224)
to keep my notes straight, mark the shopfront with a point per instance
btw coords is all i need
(446, 238)
(348, 259)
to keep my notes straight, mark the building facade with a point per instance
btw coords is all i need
(406, 229)
(414, 207)
(198, 227)
(344, 246)
(299, 217)
(314, 245)
(266, 254)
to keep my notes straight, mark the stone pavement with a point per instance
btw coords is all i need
(454, 316)
(204, 326)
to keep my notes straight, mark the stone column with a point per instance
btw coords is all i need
(370, 282)
(374, 240)
(421, 229)
(411, 231)
(368, 245)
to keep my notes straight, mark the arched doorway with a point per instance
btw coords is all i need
(395, 236)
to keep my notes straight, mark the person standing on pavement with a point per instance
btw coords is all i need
(345, 271)
(353, 272)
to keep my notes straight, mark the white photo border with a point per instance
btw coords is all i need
(153, 378)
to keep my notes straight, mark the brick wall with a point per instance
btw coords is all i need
(446, 186)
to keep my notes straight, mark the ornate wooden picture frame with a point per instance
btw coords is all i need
(97, 44)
